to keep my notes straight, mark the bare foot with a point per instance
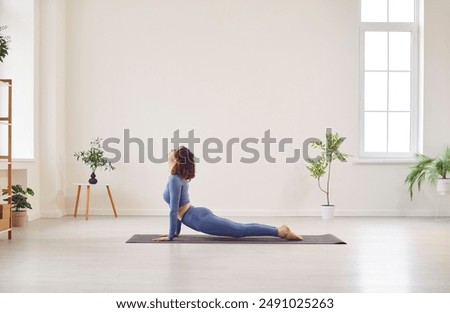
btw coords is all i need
(285, 233)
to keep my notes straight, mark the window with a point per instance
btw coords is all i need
(19, 65)
(389, 76)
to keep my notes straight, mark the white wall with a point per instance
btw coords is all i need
(437, 76)
(235, 69)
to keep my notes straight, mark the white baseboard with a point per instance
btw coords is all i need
(51, 214)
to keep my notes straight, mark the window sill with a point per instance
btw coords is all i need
(383, 161)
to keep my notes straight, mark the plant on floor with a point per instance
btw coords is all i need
(435, 170)
(4, 44)
(19, 204)
(19, 199)
(321, 165)
(94, 158)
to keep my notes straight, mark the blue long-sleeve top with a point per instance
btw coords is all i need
(176, 195)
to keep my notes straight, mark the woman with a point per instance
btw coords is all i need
(182, 169)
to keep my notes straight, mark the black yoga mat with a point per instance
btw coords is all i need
(205, 239)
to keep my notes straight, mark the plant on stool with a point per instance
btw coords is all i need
(93, 157)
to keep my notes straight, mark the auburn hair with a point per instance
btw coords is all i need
(184, 163)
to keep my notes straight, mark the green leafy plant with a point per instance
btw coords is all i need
(19, 199)
(93, 157)
(4, 44)
(321, 165)
(428, 168)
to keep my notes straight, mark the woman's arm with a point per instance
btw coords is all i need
(175, 195)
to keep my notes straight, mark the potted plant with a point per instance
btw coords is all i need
(435, 170)
(19, 204)
(321, 166)
(4, 44)
(93, 157)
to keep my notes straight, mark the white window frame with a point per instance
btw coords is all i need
(413, 28)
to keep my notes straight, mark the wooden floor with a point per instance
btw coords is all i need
(74, 255)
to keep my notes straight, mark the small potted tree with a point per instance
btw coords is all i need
(19, 204)
(321, 166)
(436, 170)
(93, 157)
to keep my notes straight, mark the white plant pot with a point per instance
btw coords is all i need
(327, 212)
(443, 186)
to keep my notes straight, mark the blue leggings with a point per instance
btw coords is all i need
(203, 220)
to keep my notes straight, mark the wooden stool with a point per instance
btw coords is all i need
(88, 194)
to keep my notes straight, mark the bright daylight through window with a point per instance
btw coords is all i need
(389, 76)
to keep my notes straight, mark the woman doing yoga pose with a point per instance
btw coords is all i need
(182, 170)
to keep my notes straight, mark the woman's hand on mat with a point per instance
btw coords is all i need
(162, 238)
(165, 235)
